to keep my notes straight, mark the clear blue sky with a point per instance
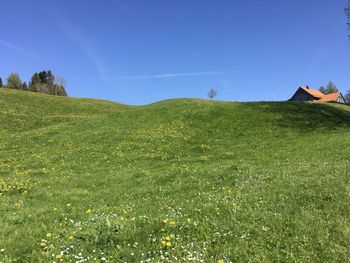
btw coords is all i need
(138, 51)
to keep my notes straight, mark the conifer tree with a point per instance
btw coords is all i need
(24, 86)
(330, 88)
(34, 83)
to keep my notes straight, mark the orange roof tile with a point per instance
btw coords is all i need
(315, 93)
(330, 97)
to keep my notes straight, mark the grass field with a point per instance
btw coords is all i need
(183, 180)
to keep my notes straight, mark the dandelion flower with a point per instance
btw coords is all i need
(48, 235)
(165, 221)
(172, 223)
(42, 244)
(167, 238)
(70, 238)
(88, 211)
(168, 244)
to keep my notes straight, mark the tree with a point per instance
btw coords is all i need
(46, 77)
(14, 81)
(46, 82)
(60, 86)
(1, 85)
(322, 89)
(330, 88)
(60, 81)
(24, 86)
(34, 83)
(212, 94)
(347, 97)
(41, 82)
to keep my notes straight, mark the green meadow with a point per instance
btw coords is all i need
(182, 180)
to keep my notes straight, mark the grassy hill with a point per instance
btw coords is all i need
(178, 180)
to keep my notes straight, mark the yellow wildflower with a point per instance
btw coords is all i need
(167, 238)
(70, 238)
(42, 244)
(165, 221)
(48, 235)
(59, 257)
(221, 261)
(168, 244)
(88, 211)
(163, 242)
(172, 223)
(68, 205)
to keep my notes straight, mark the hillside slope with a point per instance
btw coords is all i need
(177, 180)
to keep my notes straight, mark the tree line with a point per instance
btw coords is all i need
(42, 82)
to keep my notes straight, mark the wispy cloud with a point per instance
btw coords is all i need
(171, 75)
(18, 49)
(79, 39)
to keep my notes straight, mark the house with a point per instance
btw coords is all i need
(307, 94)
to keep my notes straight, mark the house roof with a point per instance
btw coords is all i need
(330, 97)
(322, 97)
(314, 93)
